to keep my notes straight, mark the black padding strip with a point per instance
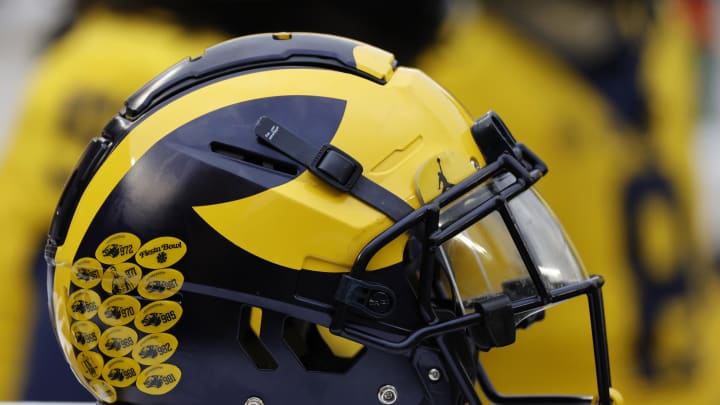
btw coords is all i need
(333, 166)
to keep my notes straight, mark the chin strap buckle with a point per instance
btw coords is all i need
(373, 299)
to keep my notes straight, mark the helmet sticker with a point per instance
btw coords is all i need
(121, 278)
(161, 252)
(441, 172)
(125, 345)
(117, 248)
(117, 341)
(158, 380)
(103, 391)
(91, 364)
(118, 310)
(160, 284)
(86, 272)
(155, 348)
(83, 304)
(158, 316)
(85, 334)
(121, 372)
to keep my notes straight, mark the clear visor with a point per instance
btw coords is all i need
(484, 260)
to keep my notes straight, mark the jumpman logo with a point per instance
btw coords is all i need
(443, 183)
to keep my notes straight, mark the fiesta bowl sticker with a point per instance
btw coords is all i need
(103, 391)
(91, 364)
(118, 310)
(121, 372)
(160, 284)
(161, 252)
(117, 341)
(85, 335)
(117, 248)
(86, 272)
(158, 316)
(83, 304)
(158, 380)
(155, 349)
(121, 278)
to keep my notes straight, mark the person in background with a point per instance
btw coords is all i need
(107, 50)
(607, 92)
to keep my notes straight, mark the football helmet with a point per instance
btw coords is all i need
(293, 218)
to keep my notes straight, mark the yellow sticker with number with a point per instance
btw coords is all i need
(119, 310)
(121, 278)
(117, 248)
(159, 379)
(117, 341)
(158, 316)
(155, 348)
(161, 284)
(121, 372)
(86, 335)
(86, 272)
(83, 304)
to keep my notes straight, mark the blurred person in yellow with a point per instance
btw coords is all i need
(606, 90)
(107, 50)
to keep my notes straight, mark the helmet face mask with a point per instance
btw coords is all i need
(298, 209)
(492, 224)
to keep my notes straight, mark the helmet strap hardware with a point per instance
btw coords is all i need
(498, 328)
(373, 299)
(333, 166)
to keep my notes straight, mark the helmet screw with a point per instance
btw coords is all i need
(254, 401)
(380, 302)
(387, 394)
(434, 375)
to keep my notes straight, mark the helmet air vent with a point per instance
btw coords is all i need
(254, 158)
(249, 338)
(317, 349)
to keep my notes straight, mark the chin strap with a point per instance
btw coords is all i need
(334, 167)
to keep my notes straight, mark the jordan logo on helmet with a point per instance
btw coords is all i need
(443, 183)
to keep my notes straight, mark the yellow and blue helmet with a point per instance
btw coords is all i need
(293, 218)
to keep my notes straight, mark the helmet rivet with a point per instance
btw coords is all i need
(434, 374)
(254, 401)
(380, 302)
(387, 394)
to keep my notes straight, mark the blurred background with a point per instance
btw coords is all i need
(25, 27)
(621, 98)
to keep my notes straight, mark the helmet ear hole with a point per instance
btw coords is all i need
(317, 349)
(249, 338)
